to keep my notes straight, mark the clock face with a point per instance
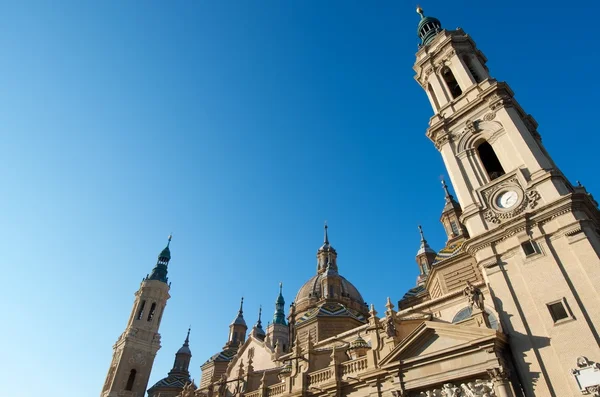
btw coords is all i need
(507, 199)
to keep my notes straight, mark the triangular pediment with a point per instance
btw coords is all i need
(260, 352)
(433, 338)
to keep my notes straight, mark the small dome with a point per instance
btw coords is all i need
(428, 27)
(184, 350)
(359, 343)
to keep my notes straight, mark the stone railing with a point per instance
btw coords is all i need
(275, 390)
(256, 393)
(320, 376)
(354, 366)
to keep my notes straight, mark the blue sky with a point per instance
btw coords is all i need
(240, 127)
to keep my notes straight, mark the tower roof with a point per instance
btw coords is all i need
(279, 315)
(160, 270)
(185, 349)
(428, 27)
(424, 248)
(326, 246)
(450, 204)
(239, 320)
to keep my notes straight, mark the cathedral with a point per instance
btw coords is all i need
(508, 308)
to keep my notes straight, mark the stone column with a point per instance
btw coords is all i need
(501, 383)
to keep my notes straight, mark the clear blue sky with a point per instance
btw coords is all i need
(240, 126)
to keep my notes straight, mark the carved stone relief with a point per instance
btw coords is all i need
(138, 357)
(477, 388)
(528, 200)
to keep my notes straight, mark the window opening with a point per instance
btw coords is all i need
(451, 82)
(469, 62)
(141, 312)
(454, 228)
(152, 310)
(558, 311)
(529, 248)
(490, 161)
(130, 380)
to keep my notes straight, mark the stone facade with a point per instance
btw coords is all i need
(508, 308)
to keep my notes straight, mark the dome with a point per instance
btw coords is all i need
(312, 289)
(184, 350)
(166, 253)
(428, 27)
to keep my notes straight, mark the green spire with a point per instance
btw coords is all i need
(428, 27)
(279, 316)
(160, 270)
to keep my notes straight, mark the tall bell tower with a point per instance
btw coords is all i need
(534, 235)
(134, 351)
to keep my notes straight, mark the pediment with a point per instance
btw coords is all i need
(261, 356)
(433, 338)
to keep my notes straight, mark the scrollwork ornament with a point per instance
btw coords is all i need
(490, 216)
(593, 390)
(532, 198)
(489, 116)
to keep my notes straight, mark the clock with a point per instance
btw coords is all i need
(507, 199)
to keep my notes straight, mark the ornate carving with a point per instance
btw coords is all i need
(529, 200)
(498, 375)
(490, 216)
(138, 357)
(476, 388)
(532, 198)
(187, 391)
(490, 116)
(474, 296)
(471, 126)
(390, 327)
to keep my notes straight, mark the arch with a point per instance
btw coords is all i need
(490, 160)
(485, 129)
(152, 311)
(466, 312)
(131, 380)
(451, 82)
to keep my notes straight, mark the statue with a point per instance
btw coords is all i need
(474, 296)
(188, 390)
(222, 386)
(390, 327)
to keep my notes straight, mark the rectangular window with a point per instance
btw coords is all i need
(454, 228)
(558, 311)
(529, 248)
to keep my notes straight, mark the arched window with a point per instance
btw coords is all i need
(451, 82)
(469, 62)
(152, 310)
(465, 313)
(141, 312)
(130, 380)
(490, 161)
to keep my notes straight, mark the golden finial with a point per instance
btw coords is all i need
(420, 11)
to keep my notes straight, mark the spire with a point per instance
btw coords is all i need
(160, 270)
(451, 204)
(279, 316)
(240, 316)
(185, 349)
(424, 248)
(258, 331)
(187, 338)
(428, 27)
(326, 240)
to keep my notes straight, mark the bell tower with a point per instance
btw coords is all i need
(134, 351)
(535, 236)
